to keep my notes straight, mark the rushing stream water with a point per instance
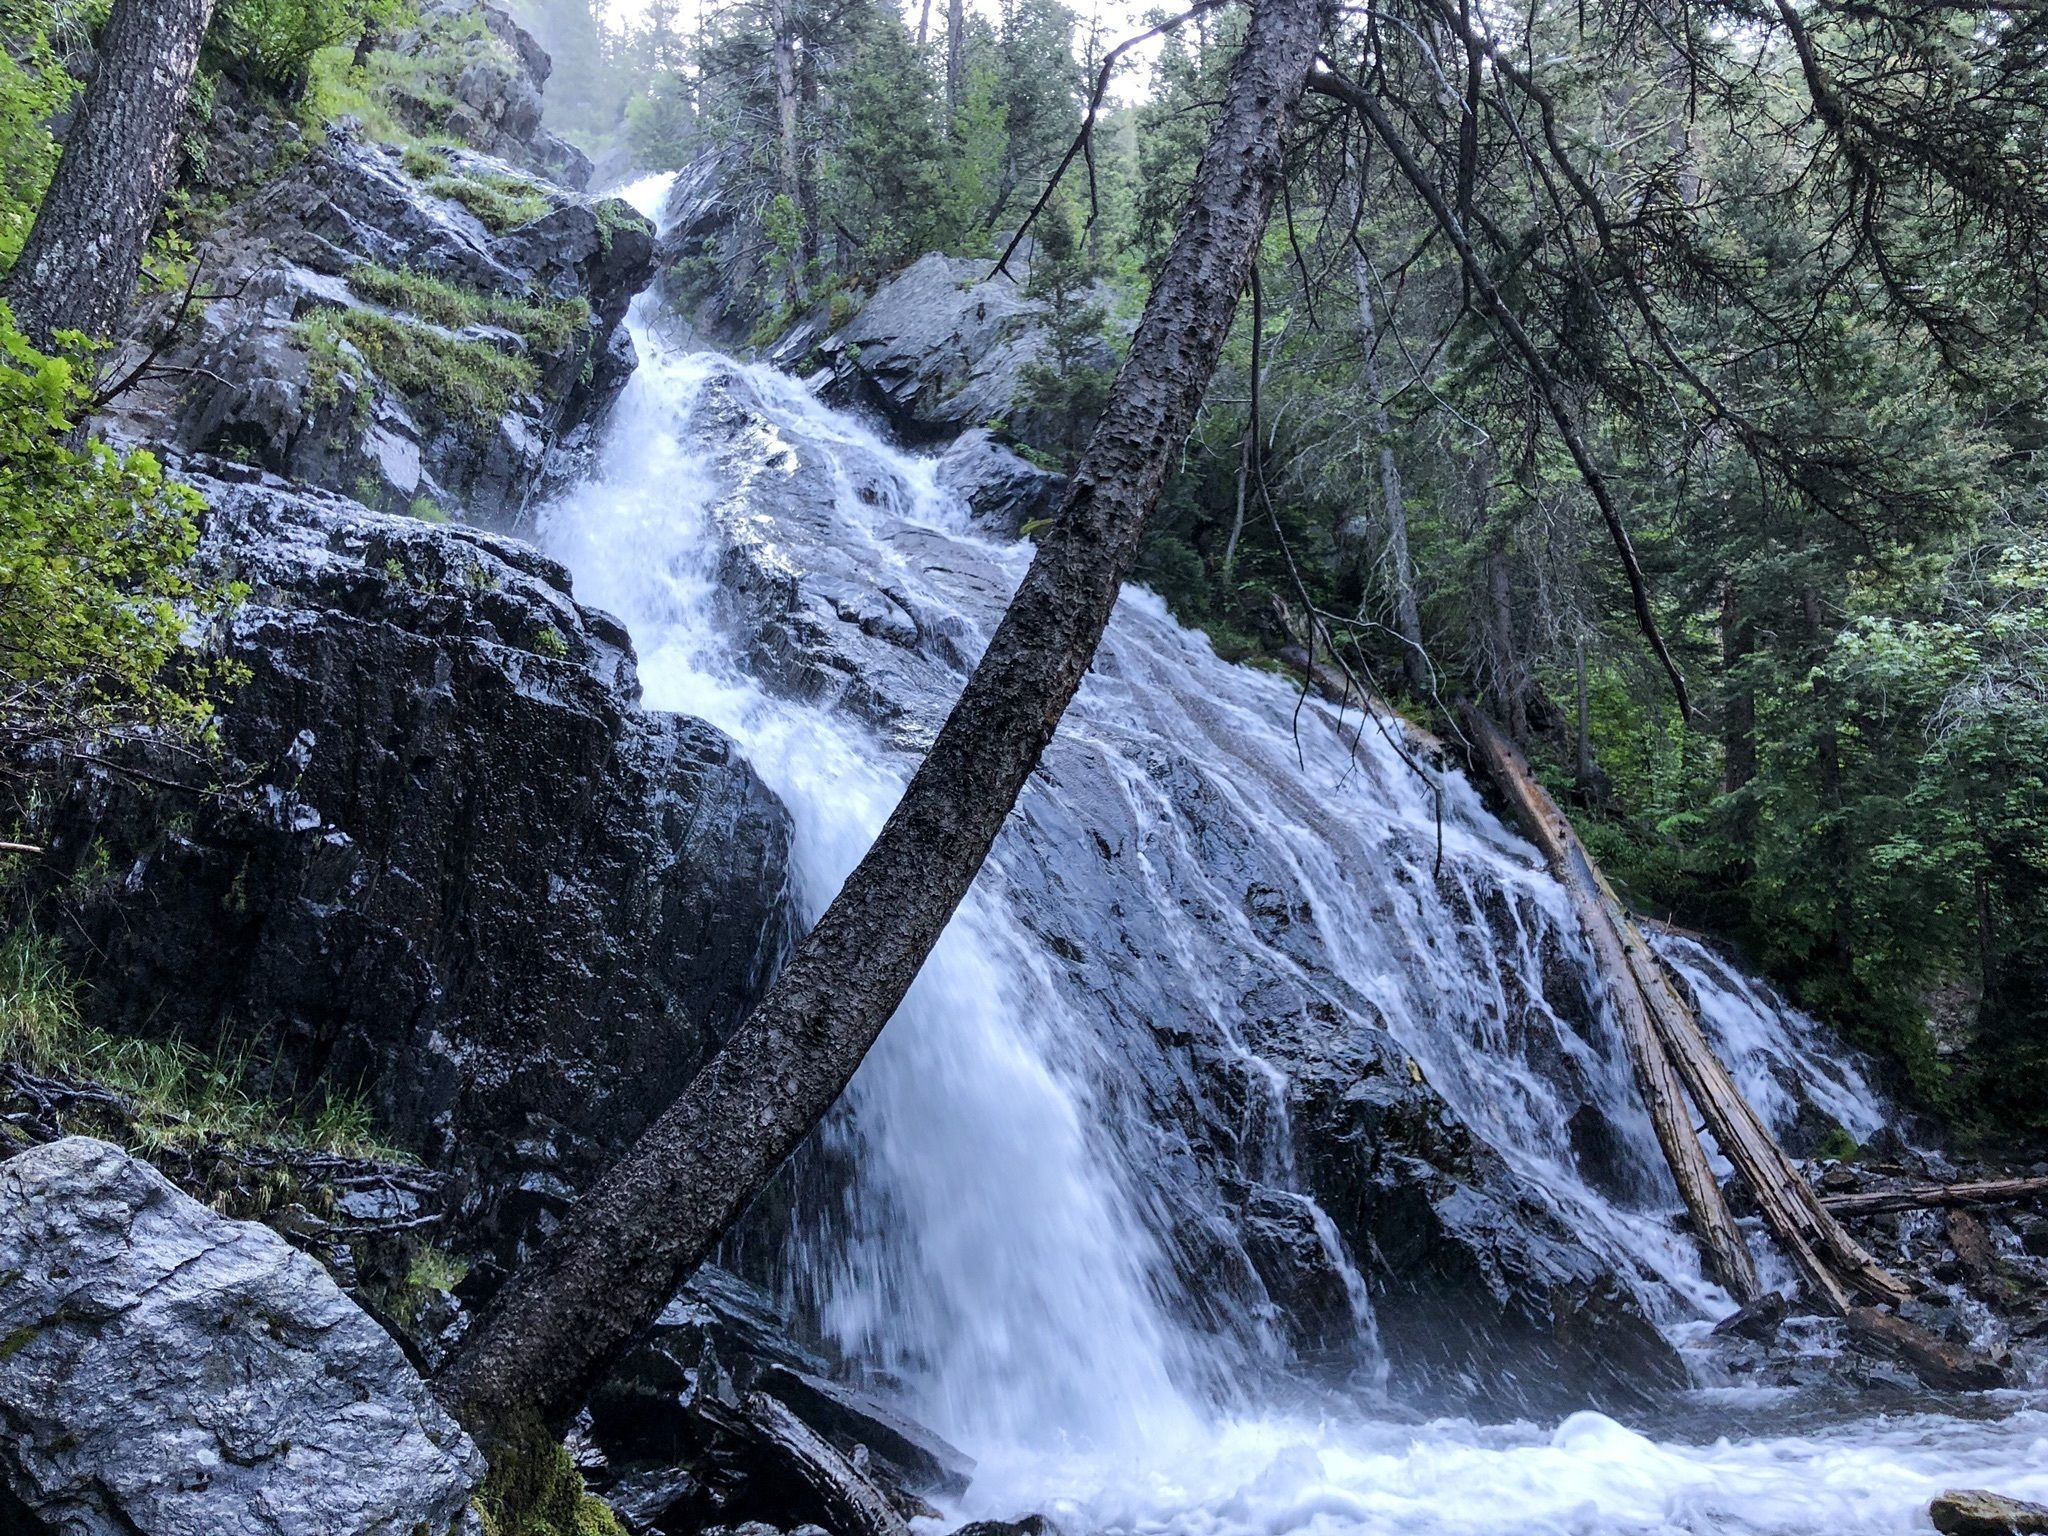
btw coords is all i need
(1004, 1248)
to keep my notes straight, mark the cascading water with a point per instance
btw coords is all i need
(1209, 886)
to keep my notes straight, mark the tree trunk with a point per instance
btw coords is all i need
(956, 57)
(1937, 1197)
(560, 1321)
(1407, 619)
(924, 24)
(78, 269)
(1738, 703)
(789, 176)
(1727, 1255)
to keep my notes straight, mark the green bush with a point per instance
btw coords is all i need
(270, 44)
(95, 597)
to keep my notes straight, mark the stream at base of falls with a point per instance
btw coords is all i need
(1005, 1248)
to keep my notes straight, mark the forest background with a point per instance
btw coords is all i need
(1829, 468)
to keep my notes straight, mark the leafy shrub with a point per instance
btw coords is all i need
(270, 44)
(95, 597)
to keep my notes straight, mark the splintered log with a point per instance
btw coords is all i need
(1929, 1197)
(857, 1506)
(1833, 1263)
(1840, 1273)
(1727, 1256)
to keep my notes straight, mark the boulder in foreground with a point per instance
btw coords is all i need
(165, 1371)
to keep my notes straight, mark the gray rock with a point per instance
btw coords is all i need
(167, 1372)
(241, 380)
(459, 871)
(1973, 1512)
(1004, 488)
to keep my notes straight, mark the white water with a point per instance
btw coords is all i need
(1002, 1250)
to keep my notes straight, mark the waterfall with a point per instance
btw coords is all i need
(1027, 1242)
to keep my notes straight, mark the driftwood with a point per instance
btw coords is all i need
(1928, 1197)
(1943, 1366)
(1840, 1274)
(1727, 1255)
(856, 1507)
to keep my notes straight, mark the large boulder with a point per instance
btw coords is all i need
(375, 336)
(444, 860)
(165, 1371)
(942, 348)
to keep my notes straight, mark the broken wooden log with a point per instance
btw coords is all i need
(1837, 1269)
(1944, 1366)
(1927, 1197)
(855, 1505)
(1727, 1255)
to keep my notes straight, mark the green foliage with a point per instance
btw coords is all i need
(471, 382)
(270, 44)
(501, 202)
(549, 643)
(548, 325)
(1069, 385)
(534, 1489)
(661, 124)
(178, 1096)
(95, 597)
(34, 86)
(422, 163)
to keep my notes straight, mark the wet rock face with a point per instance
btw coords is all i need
(165, 1371)
(940, 349)
(277, 371)
(453, 867)
(1258, 1089)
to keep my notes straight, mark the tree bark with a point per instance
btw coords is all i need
(1721, 1244)
(560, 1321)
(1394, 507)
(78, 269)
(790, 154)
(1937, 1196)
(956, 57)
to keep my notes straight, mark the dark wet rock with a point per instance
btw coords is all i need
(165, 1371)
(714, 278)
(1973, 1512)
(453, 868)
(1758, 1320)
(1030, 1525)
(1004, 489)
(677, 1438)
(258, 373)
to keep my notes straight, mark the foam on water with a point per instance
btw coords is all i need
(995, 1250)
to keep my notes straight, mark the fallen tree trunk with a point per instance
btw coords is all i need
(1838, 1271)
(1944, 1366)
(561, 1320)
(1930, 1197)
(1727, 1255)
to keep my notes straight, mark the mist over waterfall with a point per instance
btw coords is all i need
(1070, 1209)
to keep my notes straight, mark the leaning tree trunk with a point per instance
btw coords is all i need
(78, 269)
(560, 1322)
(1407, 619)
